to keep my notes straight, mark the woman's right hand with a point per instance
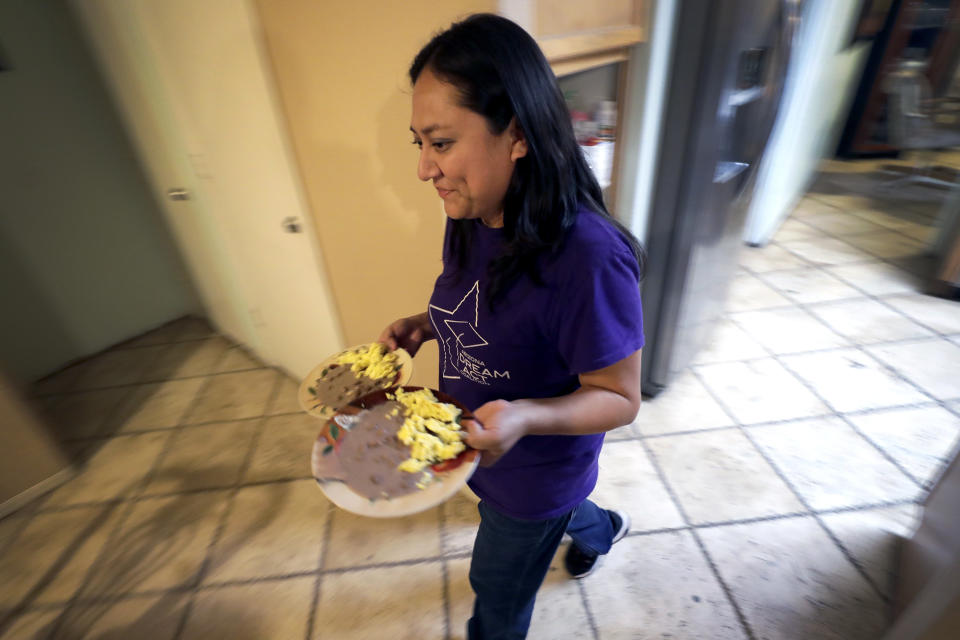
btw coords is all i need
(408, 333)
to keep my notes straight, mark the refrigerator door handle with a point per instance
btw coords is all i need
(726, 171)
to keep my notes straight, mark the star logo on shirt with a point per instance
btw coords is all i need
(459, 329)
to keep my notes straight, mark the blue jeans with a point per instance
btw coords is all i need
(511, 558)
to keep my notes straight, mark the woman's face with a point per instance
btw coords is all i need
(469, 166)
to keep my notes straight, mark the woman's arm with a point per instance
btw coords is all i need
(607, 398)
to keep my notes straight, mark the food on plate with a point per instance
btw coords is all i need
(370, 454)
(355, 373)
(396, 446)
(431, 429)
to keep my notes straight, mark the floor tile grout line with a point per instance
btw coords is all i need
(779, 358)
(321, 565)
(225, 584)
(173, 433)
(735, 426)
(53, 571)
(129, 506)
(889, 343)
(804, 514)
(816, 196)
(451, 556)
(791, 301)
(868, 259)
(863, 347)
(125, 347)
(727, 590)
(214, 541)
(27, 517)
(780, 473)
(955, 410)
(867, 507)
(85, 361)
(779, 516)
(215, 585)
(775, 423)
(173, 494)
(787, 421)
(885, 301)
(655, 463)
(268, 411)
(917, 213)
(864, 215)
(813, 513)
(116, 414)
(210, 586)
(943, 465)
(591, 619)
(880, 299)
(876, 445)
(444, 569)
(144, 367)
(142, 483)
(184, 426)
(656, 532)
(466, 555)
(865, 257)
(90, 572)
(716, 524)
(879, 228)
(686, 521)
(888, 261)
(149, 381)
(315, 593)
(920, 246)
(783, 478)
(108, 599)
(411, 562)
(841, 416)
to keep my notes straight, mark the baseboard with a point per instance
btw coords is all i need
(25, 497)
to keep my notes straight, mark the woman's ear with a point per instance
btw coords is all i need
(518, 146)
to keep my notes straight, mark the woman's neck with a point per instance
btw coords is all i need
(493, 222)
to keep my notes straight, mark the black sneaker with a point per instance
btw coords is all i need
(581, 564)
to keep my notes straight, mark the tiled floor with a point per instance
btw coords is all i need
(767, 484)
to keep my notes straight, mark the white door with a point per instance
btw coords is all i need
(195, 88)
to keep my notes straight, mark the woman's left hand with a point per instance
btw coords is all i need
(495, 428)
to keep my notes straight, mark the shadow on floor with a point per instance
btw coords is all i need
(174, 540)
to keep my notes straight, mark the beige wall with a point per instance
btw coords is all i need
(341, 74)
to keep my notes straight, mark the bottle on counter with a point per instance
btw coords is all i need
(583, 127)
(605, 116)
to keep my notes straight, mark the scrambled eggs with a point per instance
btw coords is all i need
(431, 429)
(375, 361)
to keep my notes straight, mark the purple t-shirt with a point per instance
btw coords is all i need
(538, 339)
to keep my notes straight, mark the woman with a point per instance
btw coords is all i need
(537, 310)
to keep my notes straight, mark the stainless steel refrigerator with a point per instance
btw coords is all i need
(727, 72)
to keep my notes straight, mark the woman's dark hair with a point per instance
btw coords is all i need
(501, 74)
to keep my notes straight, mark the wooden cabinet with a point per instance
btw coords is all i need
(596, 37)
(577, 35)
